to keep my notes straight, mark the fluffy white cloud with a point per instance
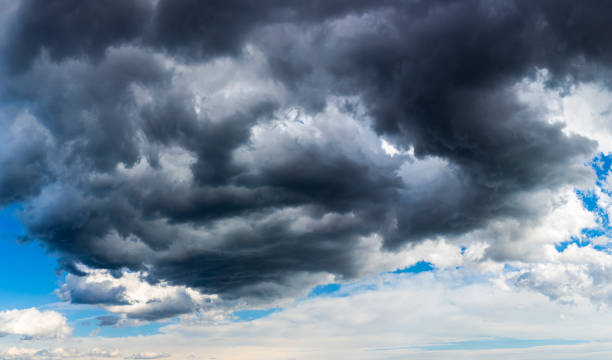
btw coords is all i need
(34, 324)
(130, 295)
(555, 218)
(575, 274)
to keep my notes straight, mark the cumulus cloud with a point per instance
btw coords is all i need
(131, 296)
(34, 324)
(251, 152)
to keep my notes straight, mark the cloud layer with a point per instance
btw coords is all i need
(235, 149)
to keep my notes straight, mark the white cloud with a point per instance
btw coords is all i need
(386, 317)
(429, 175)
(576, 274)
(554, 218)
(35, 324)
(148, 355)
(388, 148)
(392, 316)
(21, 353)
(584, 108)
(97, 352)
(129, 294)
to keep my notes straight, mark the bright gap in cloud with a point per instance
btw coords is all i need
(388, 148)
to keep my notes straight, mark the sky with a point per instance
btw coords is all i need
(363, 179)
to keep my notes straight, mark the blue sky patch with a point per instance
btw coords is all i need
(419, 267)
(509, 268)
(602, 164)
(27, 272)
(250, 315)
(576, 241)
(322, 290)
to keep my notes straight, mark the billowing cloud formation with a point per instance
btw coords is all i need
(33, 324)
(129, 294)
(192, 29)
(235, 148)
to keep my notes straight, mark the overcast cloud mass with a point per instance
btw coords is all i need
(193, 158)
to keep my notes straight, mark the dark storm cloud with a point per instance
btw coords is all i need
(25, 167)
(103, 293)
(268, 253)
(436, 79)
(88, 108)
(437, 76)
(73, 28)
(212, 142)
(190, 28)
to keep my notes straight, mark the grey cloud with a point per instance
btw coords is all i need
(129, 297)
(108, 320)
(72, 28)
(99, 293)
(243, 216)
(179, 304)
(440, 82)
(191, 29)
(567, 283)
(88, 108)
(24, 163)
